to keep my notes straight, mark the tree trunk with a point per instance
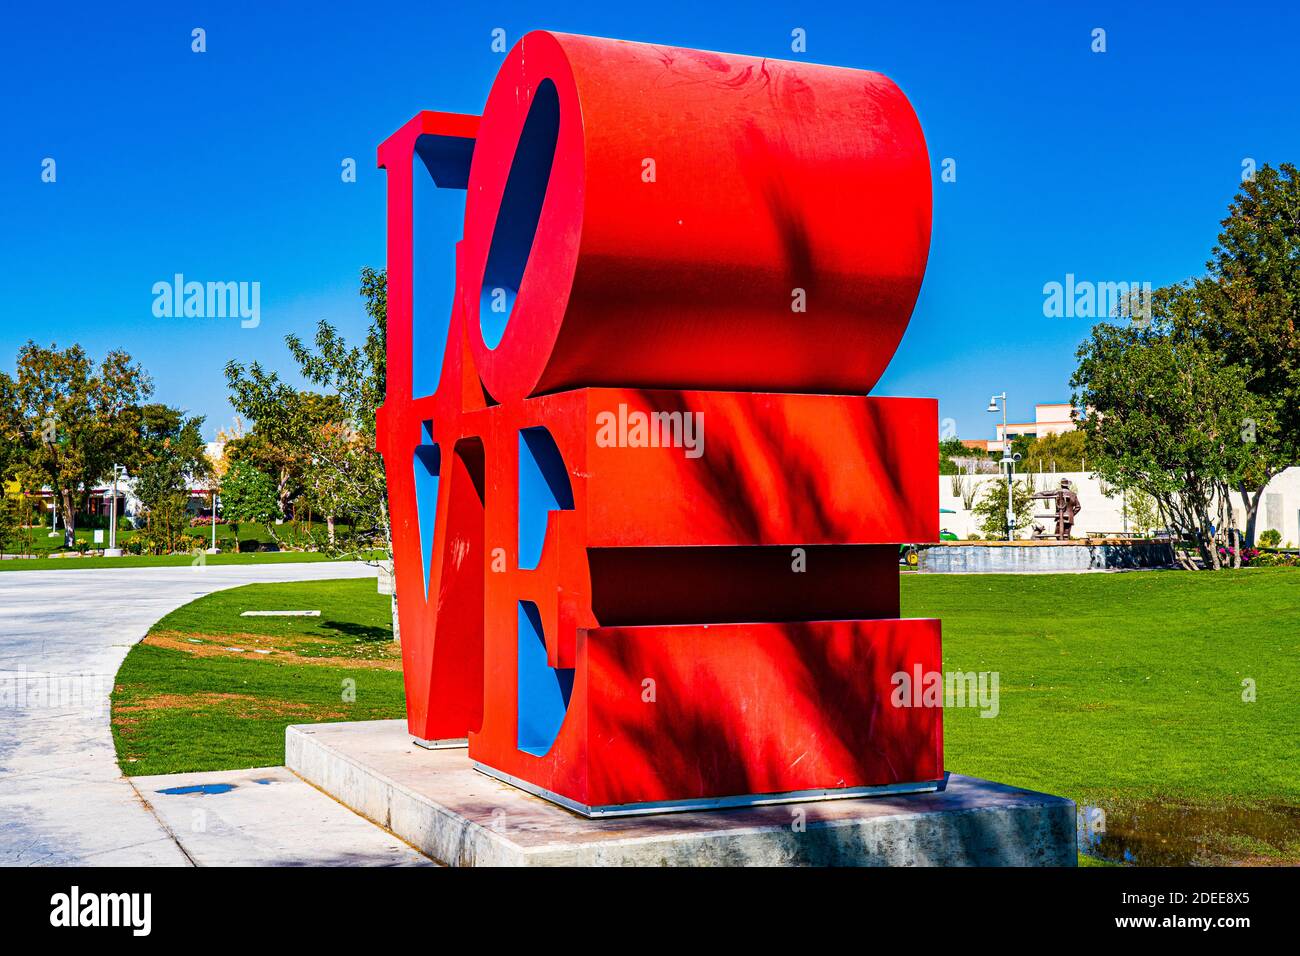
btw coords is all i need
(397, 630)
(1252, 510)
(69, 520)
(329, 526)
(282, 492)
(1209, 547)
(388, 531)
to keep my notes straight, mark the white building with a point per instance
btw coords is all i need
(1102, 514)
(100, 500)
(1052, 418)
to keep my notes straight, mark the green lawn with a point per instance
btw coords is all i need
(1125, 691)
(1120, 691)
(209, 690)
(41, 544)
(160, 560)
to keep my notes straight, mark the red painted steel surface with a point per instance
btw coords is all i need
(769, 176)
(441, 652)
(791, 707)
(783, 176)
(737, 709)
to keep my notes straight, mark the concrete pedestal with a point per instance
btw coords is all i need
(437, 802)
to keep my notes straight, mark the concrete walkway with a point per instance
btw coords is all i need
(63, 635)
(267, 816)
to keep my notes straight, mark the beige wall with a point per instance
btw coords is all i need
(1099, 513)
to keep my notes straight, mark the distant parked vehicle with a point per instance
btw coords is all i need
(910, 554)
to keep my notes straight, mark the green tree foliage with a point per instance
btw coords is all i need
(991, 509)
(13, 437)
(1248, 311)
(1140, 512)
(356, 375)
(74, 421)
(1205, 399)
(1064, 452)
(343, 475)
(951, 450)
(1169, 417)
(1020, 445)
(171, 453)
(248, 496)
(11, 525)
(282, 437)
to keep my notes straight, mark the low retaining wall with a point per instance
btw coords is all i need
(1043, 557)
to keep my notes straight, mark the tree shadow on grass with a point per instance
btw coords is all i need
(362, 632)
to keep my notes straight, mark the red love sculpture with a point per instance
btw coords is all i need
(646, 526)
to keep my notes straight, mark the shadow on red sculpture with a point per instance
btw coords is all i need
(646, 525)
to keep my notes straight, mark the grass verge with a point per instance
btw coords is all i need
(167, 560)
(1129, 693)
(210, 690)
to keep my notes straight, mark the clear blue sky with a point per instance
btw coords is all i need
(225, 165)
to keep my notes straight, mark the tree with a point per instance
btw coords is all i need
(285, 429)
(344, 473)
(1020, 445)
(248, 495)
(1064, 452)
(11, 525)
(343, 467)
(951, 449)
(172, 452)
(1139, 511)
(1248, 310)
(76, 420)
(1169, 414)
(13, 437)
(992, 508)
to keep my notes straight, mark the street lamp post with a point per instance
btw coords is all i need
(112, 551)
(1007, 462)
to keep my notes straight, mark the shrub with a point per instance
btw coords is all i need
(1270, 560)
(1270, 538)
(148, 542)
(991, 509)
(1247, 555)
